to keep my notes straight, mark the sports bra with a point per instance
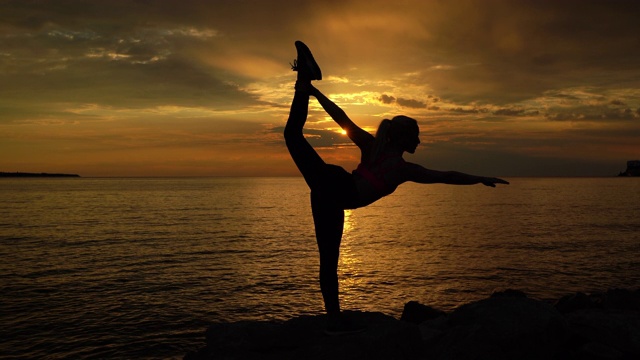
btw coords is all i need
(377, 178)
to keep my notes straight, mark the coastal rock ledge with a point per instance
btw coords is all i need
(507, 325)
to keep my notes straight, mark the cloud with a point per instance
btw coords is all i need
(386, 99)
(591, 104)
(472, 110)
(504, 52)
(411, 103)
(510, 112)
(407, 103)
(595, 113)
(121, 84)
(142, 69)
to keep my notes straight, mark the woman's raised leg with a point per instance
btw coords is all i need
(303, 154)
(328, 215)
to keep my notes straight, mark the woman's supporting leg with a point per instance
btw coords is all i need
(329, 221)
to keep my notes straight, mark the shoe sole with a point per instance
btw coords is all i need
(310, 62)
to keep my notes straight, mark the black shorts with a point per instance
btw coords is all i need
(337, 188)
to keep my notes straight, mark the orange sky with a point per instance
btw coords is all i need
(202, 88)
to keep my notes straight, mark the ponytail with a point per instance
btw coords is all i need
(382, 138)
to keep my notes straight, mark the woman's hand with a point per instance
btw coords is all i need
(491, 181)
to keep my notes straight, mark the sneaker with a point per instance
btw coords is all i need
(305, 65)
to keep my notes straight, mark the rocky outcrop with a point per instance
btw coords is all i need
(501, 327)
(633, 168)
(303, 338)
(507, 325)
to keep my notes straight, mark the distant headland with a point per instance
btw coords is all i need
(31, 175)
(633, 168)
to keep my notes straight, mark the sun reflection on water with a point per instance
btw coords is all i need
(350, 265)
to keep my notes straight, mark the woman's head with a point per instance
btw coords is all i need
(401, 133)
(404, 130)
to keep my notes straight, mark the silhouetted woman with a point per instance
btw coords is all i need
(333, 189)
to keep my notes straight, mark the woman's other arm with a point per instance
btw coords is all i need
(420, 174)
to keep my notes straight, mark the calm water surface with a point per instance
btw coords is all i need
(124, 268)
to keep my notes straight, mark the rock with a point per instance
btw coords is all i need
(509, 293)
(577, 301)
(507, 325)
(598, 351)
(501, 327)
(618, 330)
(622, 299)
(303, 338)
(416, 313)
(619, 299)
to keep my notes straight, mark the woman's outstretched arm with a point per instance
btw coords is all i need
(359, 136)
(419, 174)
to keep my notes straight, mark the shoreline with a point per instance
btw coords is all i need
(506, 325)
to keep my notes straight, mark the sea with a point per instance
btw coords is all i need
(124, 268)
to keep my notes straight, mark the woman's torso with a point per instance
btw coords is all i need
(379, 178)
